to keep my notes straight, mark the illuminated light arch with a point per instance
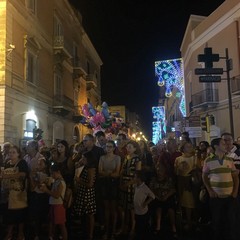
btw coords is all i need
(159, 126)
(169, 73)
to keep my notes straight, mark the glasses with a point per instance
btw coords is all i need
(85, 140)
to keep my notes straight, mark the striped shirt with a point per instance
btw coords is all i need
(220, 174)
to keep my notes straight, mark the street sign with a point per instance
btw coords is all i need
(194, 121)
(202, 71)
(194, 132)
(208, 57)
(210, 78)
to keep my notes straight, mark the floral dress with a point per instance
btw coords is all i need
(128, 172)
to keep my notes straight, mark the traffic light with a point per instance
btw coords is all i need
(205, 124)
(211, 120)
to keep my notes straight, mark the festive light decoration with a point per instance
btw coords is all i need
(170, 74)
(159, 112)
(157, 132)
(159, 127)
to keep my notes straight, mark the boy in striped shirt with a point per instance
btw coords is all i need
(220, 177)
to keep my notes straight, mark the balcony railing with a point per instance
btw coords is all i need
(91, 78)
(235, 84)
(62, 105)
(62, 100)
(61, 44)
(78, 66)
(207, 97)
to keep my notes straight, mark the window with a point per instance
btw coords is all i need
(31, 67)
(58, 29)
(57, 84)
(30, 125)
(31, 5)
(31, 121)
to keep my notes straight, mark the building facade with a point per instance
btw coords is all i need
(49, 69)
(219, 31)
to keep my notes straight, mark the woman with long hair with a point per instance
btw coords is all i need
(64, 161)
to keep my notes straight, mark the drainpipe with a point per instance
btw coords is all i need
(238, 40)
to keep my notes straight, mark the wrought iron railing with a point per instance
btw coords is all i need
(205, 97)
(62, 100)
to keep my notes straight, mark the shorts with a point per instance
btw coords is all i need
(168, 204)
(57, 214)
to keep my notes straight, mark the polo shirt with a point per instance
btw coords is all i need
(220, 172)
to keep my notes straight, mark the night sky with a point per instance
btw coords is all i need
(129, 36)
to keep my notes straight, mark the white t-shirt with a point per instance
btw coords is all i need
(52, 200)
(142, 192)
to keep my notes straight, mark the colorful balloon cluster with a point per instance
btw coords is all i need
(98, 119)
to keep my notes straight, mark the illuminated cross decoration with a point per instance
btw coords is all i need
(208, 57)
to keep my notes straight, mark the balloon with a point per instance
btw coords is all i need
(105, 105)
(83, 120)
(92, 121)
(105, 125)
(105, 110)
(99, 108)
(91, 109)
(85, 110)
(100, 118)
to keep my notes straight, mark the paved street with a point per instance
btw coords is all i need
(200, 233)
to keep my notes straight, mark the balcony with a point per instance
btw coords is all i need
(91, 81)
(62, 105)
(235, 84)
(78, 68)
(205, 98)
(61, 47)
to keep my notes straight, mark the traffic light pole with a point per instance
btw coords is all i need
(228, 69)
(208, 128)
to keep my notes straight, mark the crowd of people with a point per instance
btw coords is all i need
(123, 186)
